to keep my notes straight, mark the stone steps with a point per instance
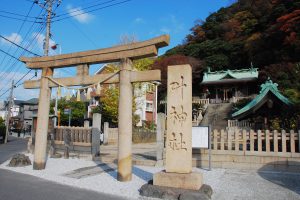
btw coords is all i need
(216, 115)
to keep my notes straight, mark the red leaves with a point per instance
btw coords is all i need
(289, 21)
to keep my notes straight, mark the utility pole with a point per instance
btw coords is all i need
(9, 110)
(47, 36)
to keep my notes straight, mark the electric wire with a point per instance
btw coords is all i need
(18, 45)
(10, 55)
(37, 34)
(13, 65)
(80, 9)
(19, 19)
(16, 14)
(93, 10)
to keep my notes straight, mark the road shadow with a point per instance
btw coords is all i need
(285, 174)
(142, 174)
(146, 155)
(113, 172)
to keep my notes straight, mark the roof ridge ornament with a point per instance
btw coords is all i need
(269, 84)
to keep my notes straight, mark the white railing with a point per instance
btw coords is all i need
(240, 124)
(260, 140)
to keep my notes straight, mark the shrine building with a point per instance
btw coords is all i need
(229, 85)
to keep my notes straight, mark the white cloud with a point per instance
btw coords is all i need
(78, 14)
(165, 30)
(174, 25)
(139, 20)
(14, 37)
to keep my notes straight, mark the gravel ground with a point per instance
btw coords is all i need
(227, 184)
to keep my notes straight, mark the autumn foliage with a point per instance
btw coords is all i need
(263, 32)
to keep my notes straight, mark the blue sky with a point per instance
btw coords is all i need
(141, 19)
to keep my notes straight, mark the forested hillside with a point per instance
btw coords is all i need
(264, 32)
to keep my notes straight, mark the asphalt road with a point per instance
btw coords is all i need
(16, 186)
(13, 146)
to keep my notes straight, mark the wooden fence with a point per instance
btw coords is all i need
(261, 141)
(80, 136)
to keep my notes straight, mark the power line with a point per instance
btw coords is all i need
(23, 76)
(16, 14)
(18, 32)
(10, 68)
(19, 19)
(14, 64)
(84, 35)
(15, 85)
(80, 9)
(93, 10)
(18, 45)
(10, 55)
(29, 43)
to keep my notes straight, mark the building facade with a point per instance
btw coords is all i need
(145, 97)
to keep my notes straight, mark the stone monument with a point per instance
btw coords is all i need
(178, 172)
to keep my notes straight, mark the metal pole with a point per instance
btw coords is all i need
(9, 110)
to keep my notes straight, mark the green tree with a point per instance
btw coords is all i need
(77, 115)
(110, 99)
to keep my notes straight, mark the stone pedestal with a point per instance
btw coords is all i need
(190, 181)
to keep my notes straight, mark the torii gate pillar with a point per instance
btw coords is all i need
(42, 122)
(125, 122)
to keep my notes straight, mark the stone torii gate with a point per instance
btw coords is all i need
(124, 54)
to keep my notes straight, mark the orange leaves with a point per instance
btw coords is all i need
(289, 21)
(290, 24)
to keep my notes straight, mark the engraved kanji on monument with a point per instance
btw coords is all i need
(179, 121)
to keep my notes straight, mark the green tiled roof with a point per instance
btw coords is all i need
(257, 102)
(230, 74)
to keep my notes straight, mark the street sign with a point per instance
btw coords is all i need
(66, 111)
